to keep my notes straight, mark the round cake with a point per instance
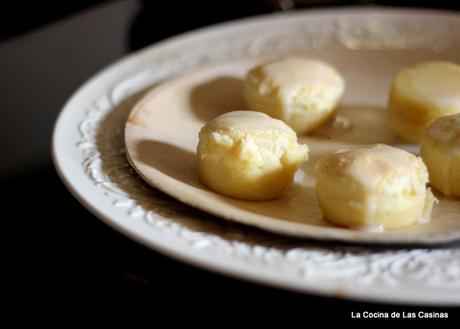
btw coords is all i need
(440, 151)
(422, 93)
(304, 93)
(371, 187)
(248, 155)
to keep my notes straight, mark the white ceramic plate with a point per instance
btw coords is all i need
(89, 154)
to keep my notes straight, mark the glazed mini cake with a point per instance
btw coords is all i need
(372, 187)
(421, 94)
(248, 155)
(304, 93)
(441, 153)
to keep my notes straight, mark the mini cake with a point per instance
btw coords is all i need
(304, 93)
(421, 94)
(248, 155)
(441, 152)
(373, 186)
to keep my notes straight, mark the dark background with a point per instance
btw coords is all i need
(60, 258)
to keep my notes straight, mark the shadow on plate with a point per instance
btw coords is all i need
(171, 160)
(357, 124)
(217, 96)
(296, 205)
